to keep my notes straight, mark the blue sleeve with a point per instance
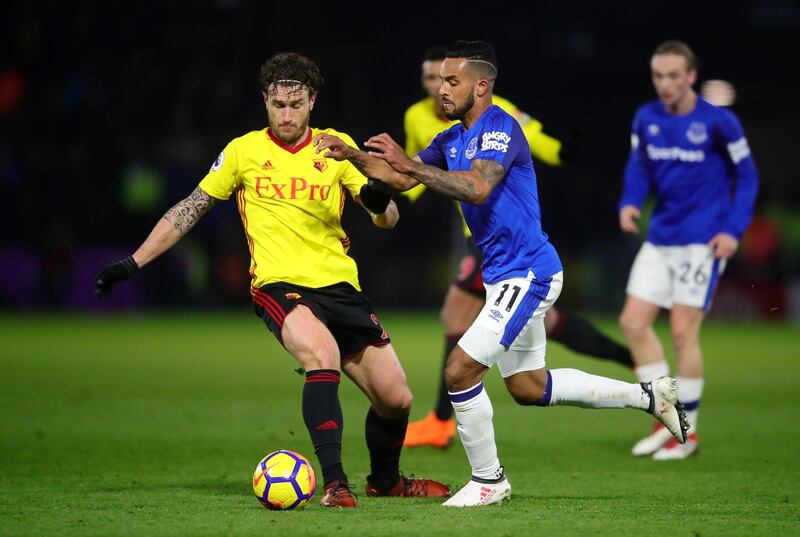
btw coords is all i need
(636, 185)
(433, 155)
(737, 152)
(501, 140)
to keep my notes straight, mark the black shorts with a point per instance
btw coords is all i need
(346, 312)
(470, 278)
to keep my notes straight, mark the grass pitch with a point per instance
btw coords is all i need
(152, 425)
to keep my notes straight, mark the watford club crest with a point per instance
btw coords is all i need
(320, 164)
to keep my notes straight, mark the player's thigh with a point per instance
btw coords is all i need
(460, 309)
(377, 371)
(309, 340)
(511, 324)
(296, 317)
(527, 352)
(637, 315)
(353, 322)
(650, 278)
(697, 272)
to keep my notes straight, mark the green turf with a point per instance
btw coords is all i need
(152, 425)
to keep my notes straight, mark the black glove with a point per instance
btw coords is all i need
(376, 195)
(113, 273)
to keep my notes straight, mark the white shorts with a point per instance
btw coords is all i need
(667, 275)
(509, 330)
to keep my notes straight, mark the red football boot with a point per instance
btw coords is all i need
(412, 486)
(338, 494)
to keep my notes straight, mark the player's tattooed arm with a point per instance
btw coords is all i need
(173, 225)
(473, 186)
(367, 164)
(447, 183)
(185, 214)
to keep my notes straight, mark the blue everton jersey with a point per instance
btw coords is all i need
(699, 168)
(507, 227)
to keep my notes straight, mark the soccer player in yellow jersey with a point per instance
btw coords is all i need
(465, 298)
(304, 285)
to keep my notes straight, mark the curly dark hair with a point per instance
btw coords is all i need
(290, 68)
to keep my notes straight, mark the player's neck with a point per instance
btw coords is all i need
(685, 105)
(475, 113)
(292, 143)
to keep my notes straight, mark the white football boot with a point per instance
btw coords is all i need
(674, 451)
(652, 442)
(665, 407)
(475, 494)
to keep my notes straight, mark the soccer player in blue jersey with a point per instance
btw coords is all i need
(485, 162)
(688, 153)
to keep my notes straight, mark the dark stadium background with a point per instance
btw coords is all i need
(111, 113)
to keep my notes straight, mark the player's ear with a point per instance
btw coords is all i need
(266, 97)
(311, 100)
(692, 76)
(481, 88)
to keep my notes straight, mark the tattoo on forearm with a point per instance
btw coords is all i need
(359, 159)
(458, 186)
(444, 182)
(185, 214)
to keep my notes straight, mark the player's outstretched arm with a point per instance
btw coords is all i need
(473, 186)
(167, 232)
(370, 166)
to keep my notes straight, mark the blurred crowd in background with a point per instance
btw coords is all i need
(110, 113)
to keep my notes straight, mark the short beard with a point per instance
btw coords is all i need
(459, 112)
(300, 132)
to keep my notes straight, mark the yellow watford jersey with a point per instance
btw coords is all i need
(290, 200)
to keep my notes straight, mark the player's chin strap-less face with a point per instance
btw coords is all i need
(672, 77)
(464, 80)
(289, 104)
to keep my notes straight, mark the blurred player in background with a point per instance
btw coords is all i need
(689, 154)
(485, 162)
(465, 298)
(305, 287)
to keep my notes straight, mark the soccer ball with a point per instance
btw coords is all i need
(284, 480)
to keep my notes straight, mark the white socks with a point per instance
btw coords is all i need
(651, 372)
(689, 393)
(474, 415)
(572, 387)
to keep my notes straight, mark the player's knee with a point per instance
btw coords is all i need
(632, 325)
(395, 404)
(527, 394)
(454, 376)
(682, 337)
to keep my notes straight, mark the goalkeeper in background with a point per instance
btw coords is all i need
(466, 296)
